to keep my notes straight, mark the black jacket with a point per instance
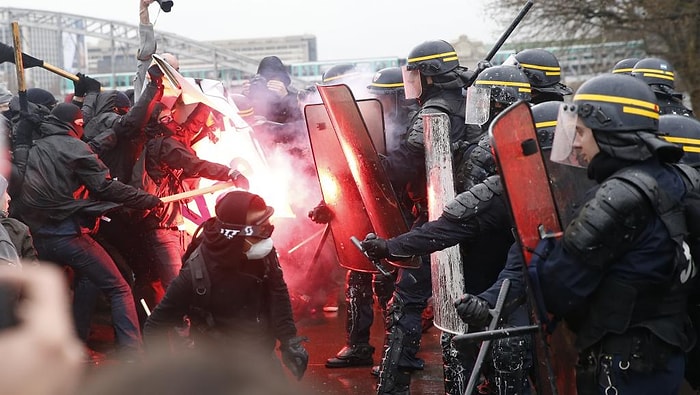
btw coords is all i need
(249, 302)
(59, 167)
(118, 139)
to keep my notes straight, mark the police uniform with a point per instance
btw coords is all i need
(620, 275)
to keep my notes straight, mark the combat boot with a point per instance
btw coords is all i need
(355, 355)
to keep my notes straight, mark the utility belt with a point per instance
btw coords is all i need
(637, 350)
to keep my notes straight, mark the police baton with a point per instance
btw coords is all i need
(376, 262)
(503, 38)
(495, 317)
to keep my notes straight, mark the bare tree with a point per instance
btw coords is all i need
(670, 29)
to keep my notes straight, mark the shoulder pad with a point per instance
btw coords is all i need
(691, 177)
(608, 224)
(646, 184)
(437, 102)
(467, 204)
(473, 164)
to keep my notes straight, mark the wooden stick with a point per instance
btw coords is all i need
(19, 63)
(197, 192)
(61, 72)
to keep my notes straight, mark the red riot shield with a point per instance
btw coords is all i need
(371, 110)
(524, 177)
(339, 190)
(360, 154)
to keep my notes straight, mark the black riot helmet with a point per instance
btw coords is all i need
(493, 90)
(542, 69)
(339, 73)
(625, 66)
(387, 81)
(387, 86)
(545, 117)
(507, 84)
(433, 58)
(622, 112)
(685, 131)
(655, 72)
(617, 103)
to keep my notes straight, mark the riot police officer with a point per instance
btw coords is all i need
(494, 90)
(660, 76)
(361, 287)
(544, 73)
(511, 356)
(619, 275)
(434, 78)
(387, 87)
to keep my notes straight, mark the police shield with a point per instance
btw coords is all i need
(534, 211)
(446, 265)
(371, 110)
(339, 190)
(367, 171)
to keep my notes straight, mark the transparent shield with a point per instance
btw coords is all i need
(478, 105)
(563, 149)
(412, 83)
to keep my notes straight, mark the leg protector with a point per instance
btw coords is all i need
(453, 368)
(393, 380)
(511, 363)
(360, 312)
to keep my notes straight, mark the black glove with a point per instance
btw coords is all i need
(483, 65)
(375, 247)
(239, 179)
(294, 356)
(79, 88)
(155, 73)
(90, 84)
(24, 130)
(473, 310)
(149, 202)
(321, 214)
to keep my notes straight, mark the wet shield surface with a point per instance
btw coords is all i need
(524, 176)
(445, 266)
(339, 190)
(360, 154)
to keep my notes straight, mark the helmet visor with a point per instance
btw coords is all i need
(478, 105)
(511, 61)
(412, 83)
(564, 149)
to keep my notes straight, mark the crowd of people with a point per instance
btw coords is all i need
(86, 186)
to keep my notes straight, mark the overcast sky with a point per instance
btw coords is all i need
(344, 29)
